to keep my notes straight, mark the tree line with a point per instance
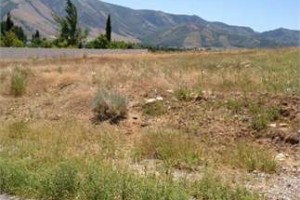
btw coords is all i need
(70, 34)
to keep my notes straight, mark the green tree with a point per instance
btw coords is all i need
(3, 27)
(69, 30)
(19, 33)
(100, 42)
(9, 23)
(36, 39)
(108, 29)
(36, 36)
(10, 40)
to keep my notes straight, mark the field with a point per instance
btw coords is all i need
(194, 125)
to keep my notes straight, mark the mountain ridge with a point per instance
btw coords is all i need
(146, 26)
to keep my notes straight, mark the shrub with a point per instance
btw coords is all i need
(109, 105)
(18, 82)
(100, 42)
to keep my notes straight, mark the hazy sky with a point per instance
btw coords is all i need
(261, 15)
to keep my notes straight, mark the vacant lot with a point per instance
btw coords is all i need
(153, 126)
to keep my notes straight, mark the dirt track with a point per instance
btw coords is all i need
(23, 53)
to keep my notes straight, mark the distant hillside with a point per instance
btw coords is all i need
(147, 26)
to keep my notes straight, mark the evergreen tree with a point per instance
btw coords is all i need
(9, 23)
(36, 39)
(108, 29)
(3, 27)
(19, 33)
(37, 35)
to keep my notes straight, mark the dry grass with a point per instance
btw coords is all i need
(210, 101)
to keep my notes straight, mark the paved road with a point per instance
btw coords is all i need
(23, 53)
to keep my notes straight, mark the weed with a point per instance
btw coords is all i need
(3, 76)
(262, 115)
(273, 113)
(18, 82)
(17, 130)
(236, 106)
(12, 177)
(211, 187)
(176, 149)
(61, 182)
(60, 70)
(183, 94)
(250, 157)
(156, 108)
(109, 105)
(104, 183)
(259, 122)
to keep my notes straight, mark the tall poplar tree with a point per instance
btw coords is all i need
(68, 26)
(9, 23)
(108, 29)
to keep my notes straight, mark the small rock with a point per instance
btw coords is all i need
(170, 91)
(280, 157)
(152, 100)
(159, 98)
(283, 125)
(148, 101)
(272, 125)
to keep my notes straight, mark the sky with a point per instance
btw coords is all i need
(261, 15)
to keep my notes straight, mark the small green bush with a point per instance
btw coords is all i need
(18, 82)
(109, 105)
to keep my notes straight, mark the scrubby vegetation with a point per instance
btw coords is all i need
(109, 105)
(18, 81)
(194, 125)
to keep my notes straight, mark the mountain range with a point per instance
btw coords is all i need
(146, 26)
